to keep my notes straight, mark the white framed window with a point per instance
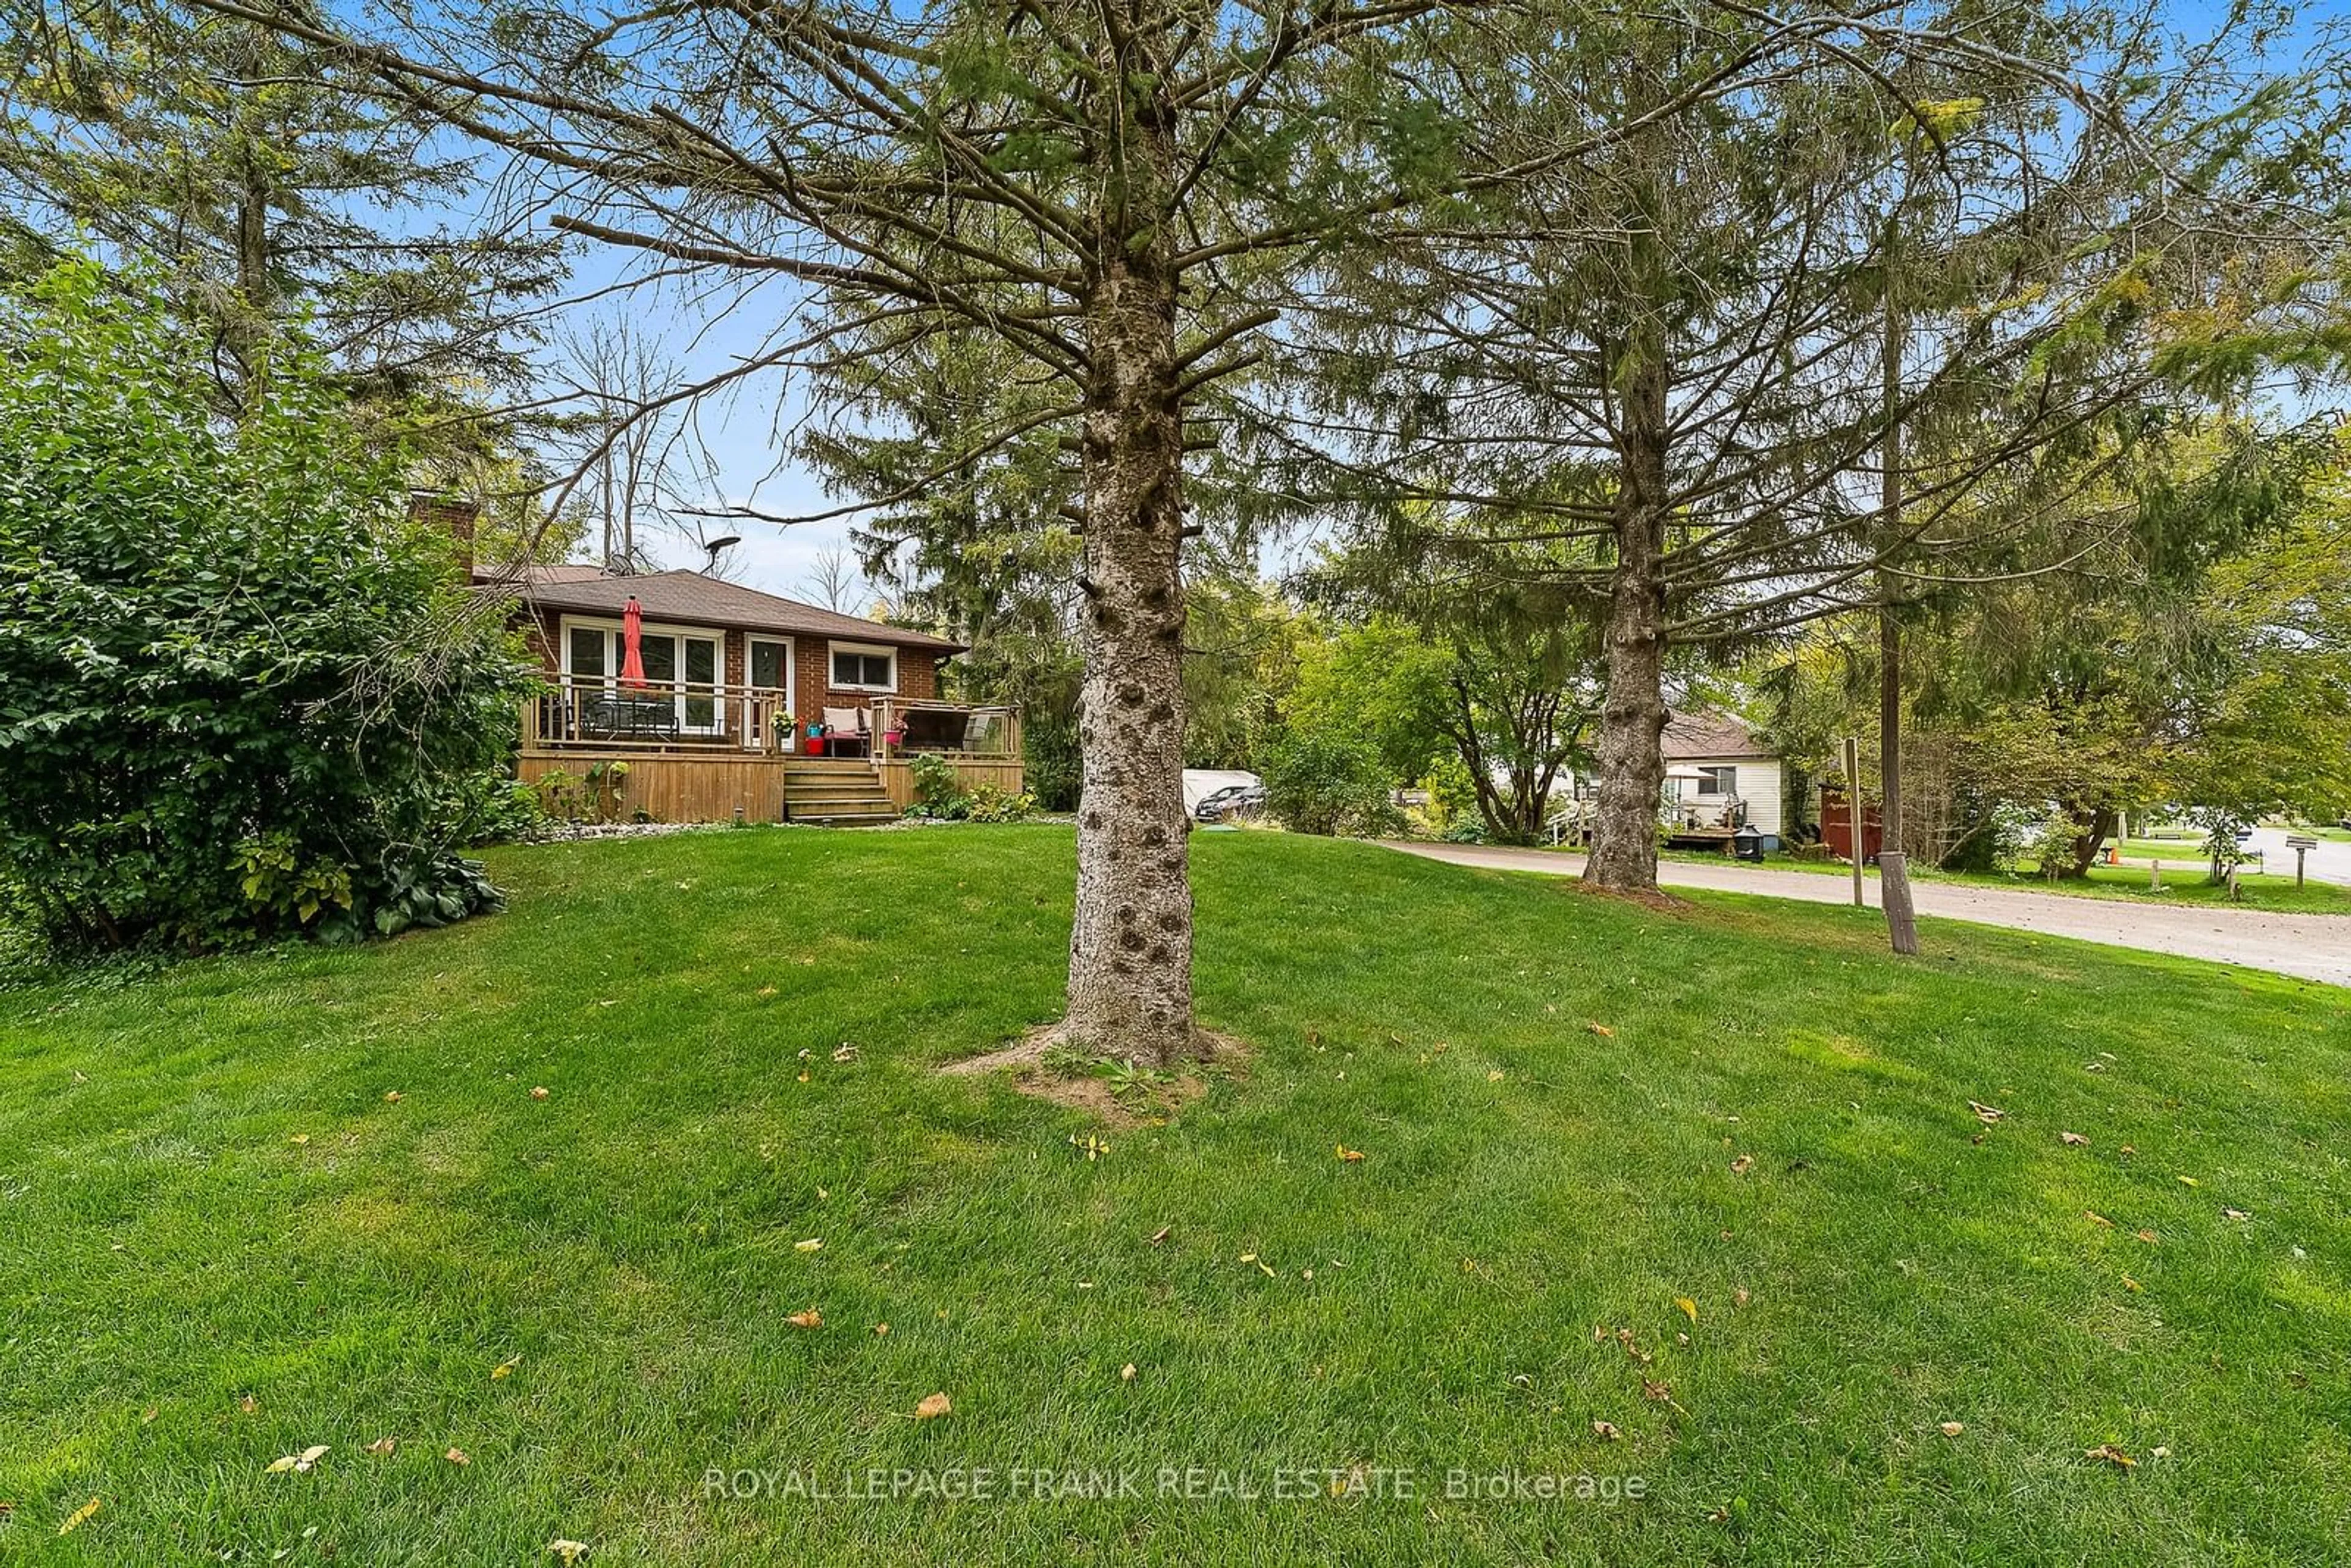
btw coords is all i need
(686, 663)
(1721, 780)
(861, 667)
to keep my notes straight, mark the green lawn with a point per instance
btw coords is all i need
(206, 1198)
(2184, 881)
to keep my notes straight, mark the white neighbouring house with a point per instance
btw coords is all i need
(1713, 760)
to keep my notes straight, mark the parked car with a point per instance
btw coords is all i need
(1231, 804)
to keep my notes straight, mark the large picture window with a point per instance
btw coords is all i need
(1718, 780)
(857, 667)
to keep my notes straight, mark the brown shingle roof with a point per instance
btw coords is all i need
(1695, 735)
(699, 601)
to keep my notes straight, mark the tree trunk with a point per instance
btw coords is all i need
(1130, 991)
(1633, 711)
(2086, 844)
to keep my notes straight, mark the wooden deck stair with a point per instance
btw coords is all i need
(835, 791)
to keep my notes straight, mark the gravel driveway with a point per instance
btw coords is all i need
(2306, 947)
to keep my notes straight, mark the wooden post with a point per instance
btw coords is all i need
(1853, 808)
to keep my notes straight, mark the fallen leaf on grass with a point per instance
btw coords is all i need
(505, 1368)
(2147, 1236)
(2189, 1181)
(391, 1096)
(1660, 1392)
(933, 1406)
(1161, 1234)
(1351, 1156)
(1985, 1113)
(2131, 1284)
(299, 1139)
(811, 1318)
(248, 1405)
(457, 1456)
(539, 1091)
(844, 1052)
(570, 1551)
(302, 1461)
(2127, 1151)
(1952, 1428)
(881, 1330)
(1740, 1297)
(2234, 1214)
(811, 1245)
(1742, 1164)
(2112, 1455)
(2073, 1140)
(2094, 1218)
(78, 1518)
(383, 1446)
(1605, 1431)
(1126, 1372)
(1602, 1030)
(1688, 1307)
(1494, 1075)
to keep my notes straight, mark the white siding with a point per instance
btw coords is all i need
(1758, 784)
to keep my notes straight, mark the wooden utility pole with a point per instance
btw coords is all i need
(1853, 809)
(1893, 866)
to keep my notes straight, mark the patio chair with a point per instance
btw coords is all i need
(847, 727)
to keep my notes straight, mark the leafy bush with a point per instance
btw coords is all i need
(241, 693)
(994, 803)
(1328, 781)
(938, 789)
(939, 795)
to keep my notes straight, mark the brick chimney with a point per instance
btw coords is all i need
(453, 513)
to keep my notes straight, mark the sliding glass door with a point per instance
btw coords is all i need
(681, 667)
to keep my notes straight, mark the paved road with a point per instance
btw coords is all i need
(2306, 947)
(2330, 862)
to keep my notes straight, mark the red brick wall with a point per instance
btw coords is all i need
(918, 676)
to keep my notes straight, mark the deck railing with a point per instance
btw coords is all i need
(591, 712)
(919, 725)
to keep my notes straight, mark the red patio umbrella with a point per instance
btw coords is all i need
(632, 643)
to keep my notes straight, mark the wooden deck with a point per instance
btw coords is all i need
(714, 783)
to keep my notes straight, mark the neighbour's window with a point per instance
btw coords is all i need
(1718, 780)
(859, 668)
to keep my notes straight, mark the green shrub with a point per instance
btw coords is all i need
(1328, 781)
(994, 803)
(939, 795)
(241, 693)
(938, 789)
